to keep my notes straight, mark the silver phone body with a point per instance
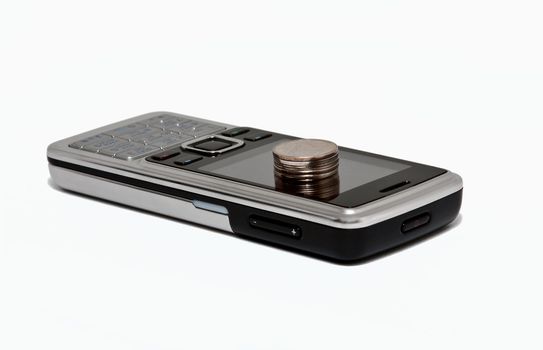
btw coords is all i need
(213, 215)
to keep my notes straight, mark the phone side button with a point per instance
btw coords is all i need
(416, 222)
(219, 209)
(275, 226)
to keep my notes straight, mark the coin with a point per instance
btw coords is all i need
(327, 188)
(307, 167)
(305, 150)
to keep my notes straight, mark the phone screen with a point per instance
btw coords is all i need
(256, 166)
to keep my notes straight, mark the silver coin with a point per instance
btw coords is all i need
(321, 189)
(306, 158)
(305, 150)
(307, 167)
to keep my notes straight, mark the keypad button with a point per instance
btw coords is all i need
(126, 130)
(136, 151)
(202, 130)
(167, 124)
(161, 119)
(100, 141)
(142, 135)
(235, 132)
(187, 124)
(182, 126)
(118, 147)
(165, 156)
(257, 136)
(79, 144)
(186, 160)
(168, 140)
(146, 137)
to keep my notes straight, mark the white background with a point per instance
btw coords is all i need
(454, 84)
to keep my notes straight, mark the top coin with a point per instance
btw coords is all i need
(305, 150)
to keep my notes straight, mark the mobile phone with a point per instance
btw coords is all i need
(222, 176)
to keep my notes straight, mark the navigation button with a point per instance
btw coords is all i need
(212, 145)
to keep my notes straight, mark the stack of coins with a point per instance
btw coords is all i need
(307, 167)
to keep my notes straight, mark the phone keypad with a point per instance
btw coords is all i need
(142, 138)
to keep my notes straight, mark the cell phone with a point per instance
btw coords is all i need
(222, 176)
